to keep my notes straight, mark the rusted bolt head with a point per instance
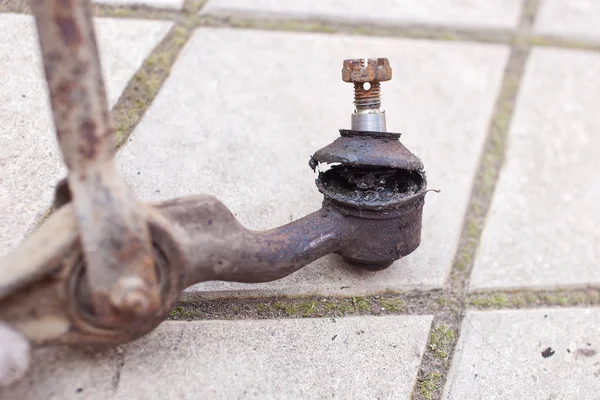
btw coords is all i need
(131, 295)
(375, 70)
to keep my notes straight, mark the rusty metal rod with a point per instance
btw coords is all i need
(114, 233)
(218, 247)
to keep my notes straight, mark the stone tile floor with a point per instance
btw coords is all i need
(500, 100)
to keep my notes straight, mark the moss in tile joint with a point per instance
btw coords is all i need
(433, 32)
(285, 25)
(525, 299)
(146, 83)
(290, 309)
(263, 307)
(391, 304)
(334, 306)
(450, 302)
(493, 300)
(119, 12)
(180, 35)
(463, 260)
(134, 11)
(429, 385)
(560, 42)
(441, 340)
(192, 7)
(361, 304)
(179, 312)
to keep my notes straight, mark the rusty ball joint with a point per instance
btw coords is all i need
(366, 77)
(372, 178)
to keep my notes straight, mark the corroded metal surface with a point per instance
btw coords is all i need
(358, 148)
(366, 100)
(366, 76)
(374, 70)
(114, 233)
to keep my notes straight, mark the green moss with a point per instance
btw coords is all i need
(307, 308)
(207, 20)
(473, 228)
(443, 301)
(279, 305)
(345, 307)
(430, 385)
(392, 304)
(121, 12)
(530, 298)
(578, 298)
(180, 36)
(518, 301)
(526, 299)
(330, 307)
(291, 310)
(180, 313)
(193, 6)
(361, 304)
(288, 308)
(487, 177)
(463, 261)
(447, 35)
(320, 27)
(143, 88)
(261, 307)
(272, 24)
(290, 25)
(160, 60)
(562, 42)
(440, 341)
(361, 30)
(557, 299)
(493, 300)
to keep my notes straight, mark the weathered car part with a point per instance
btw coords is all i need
(113, 232)
(380, 185)
(366, 77)
(104, 268)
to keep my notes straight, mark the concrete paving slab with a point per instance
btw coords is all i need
(529, 354)
(576, 19)
(238, 118)
(358, 358)
(30, 161)
(164, 4)
(473, 13)
(61, 373)
(543, 230)
(355, 357)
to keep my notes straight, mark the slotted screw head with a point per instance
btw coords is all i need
(374, 70)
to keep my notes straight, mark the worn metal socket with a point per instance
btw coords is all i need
(376, 181)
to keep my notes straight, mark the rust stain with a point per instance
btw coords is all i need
(65, 3)
(375, 70)
(63, 91)
(90, 146)
(69, 32)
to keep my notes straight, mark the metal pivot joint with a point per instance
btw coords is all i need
(105, 268)
(366, 77)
